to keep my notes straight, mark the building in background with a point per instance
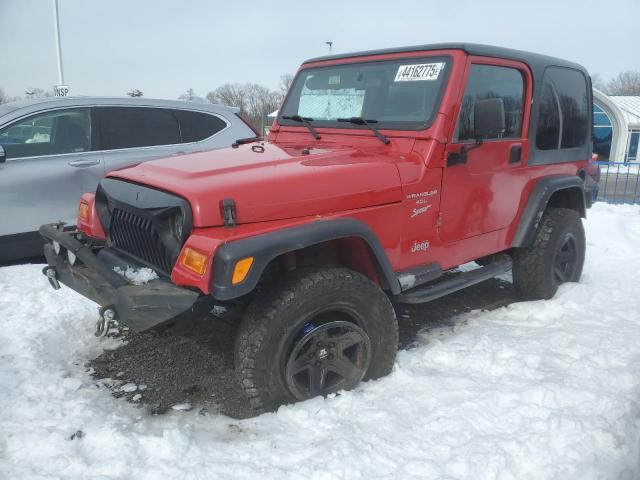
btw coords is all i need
(616, 128)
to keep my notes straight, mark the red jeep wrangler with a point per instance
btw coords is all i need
(383, 172)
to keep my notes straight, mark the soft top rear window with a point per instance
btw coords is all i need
(565, 113)
(401, 94)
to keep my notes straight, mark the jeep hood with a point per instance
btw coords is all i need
(273, 182)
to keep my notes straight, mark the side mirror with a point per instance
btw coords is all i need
(3, 155)
(488, 118)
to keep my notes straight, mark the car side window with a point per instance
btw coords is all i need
(548, 132)
(564, 113)
(54, 132)
(491, 81)
(130, 127)
(196, 126)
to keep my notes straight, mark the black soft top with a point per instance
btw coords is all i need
(536, 62)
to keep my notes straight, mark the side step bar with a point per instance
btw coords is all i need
(455, 282)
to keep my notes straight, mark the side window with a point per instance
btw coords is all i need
(129, 127)
(548, 133)
(196, 126)
(634, 142)
(564, 114)
(489, 81)
(602, 133)
(50, 133)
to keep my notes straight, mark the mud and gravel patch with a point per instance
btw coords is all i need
(196, 371)
(179, 372)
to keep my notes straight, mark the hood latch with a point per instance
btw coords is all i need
(228, 209)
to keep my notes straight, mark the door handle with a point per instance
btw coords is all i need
(84, 163)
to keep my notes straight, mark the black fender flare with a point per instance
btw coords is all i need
(266, 247)
(538, 201)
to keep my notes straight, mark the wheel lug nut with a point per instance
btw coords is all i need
(317, 363)
(331, 357)
(332, 344)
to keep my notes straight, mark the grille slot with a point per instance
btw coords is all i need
(136, 236)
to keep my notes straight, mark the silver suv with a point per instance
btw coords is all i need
(53, 150)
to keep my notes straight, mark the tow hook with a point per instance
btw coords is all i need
(107, 315)
(52, 276)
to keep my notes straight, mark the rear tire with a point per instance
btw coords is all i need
(331, 324)
(556, 255)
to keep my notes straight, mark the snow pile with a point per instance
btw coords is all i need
(137, 276)
(534, 390)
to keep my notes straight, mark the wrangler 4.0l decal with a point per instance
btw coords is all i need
(421, 197)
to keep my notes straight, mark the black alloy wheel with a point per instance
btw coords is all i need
(327, 358)
(566, 260)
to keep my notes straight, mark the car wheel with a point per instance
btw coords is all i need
(556, 255)
(317, 332)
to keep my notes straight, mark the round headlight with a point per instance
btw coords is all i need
(71, 257)
(178, 225)
(56, 247)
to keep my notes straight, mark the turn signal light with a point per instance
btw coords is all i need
(83, 211)
(241, 270)
(194, 261)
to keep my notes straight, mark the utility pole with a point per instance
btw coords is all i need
(58, 47)
(330, 46)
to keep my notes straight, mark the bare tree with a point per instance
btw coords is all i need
(285, 83)
(3, 97)
(34, 92)
(231, 94)
(189, 95)
(134, 93)
(598, 82)
(254, 101)
(625, 83)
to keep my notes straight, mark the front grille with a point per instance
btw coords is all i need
(136, 236)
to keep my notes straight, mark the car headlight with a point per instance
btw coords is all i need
(56, 247)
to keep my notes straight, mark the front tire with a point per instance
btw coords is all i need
(317, 332)
(556, 255)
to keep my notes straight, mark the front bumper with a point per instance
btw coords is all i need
(140, 307)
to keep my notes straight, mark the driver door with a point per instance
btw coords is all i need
(480, 193)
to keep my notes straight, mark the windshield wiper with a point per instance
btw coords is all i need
(367, 123)
(306, 121)
(242, 141)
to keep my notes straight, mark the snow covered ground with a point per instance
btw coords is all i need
(534, 390)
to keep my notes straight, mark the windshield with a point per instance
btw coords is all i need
(398, 94)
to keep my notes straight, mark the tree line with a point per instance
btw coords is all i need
(254, 101)
(625, 83)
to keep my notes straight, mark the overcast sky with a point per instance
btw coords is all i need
(164, 47)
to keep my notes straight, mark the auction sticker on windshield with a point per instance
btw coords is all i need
(419, 72)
